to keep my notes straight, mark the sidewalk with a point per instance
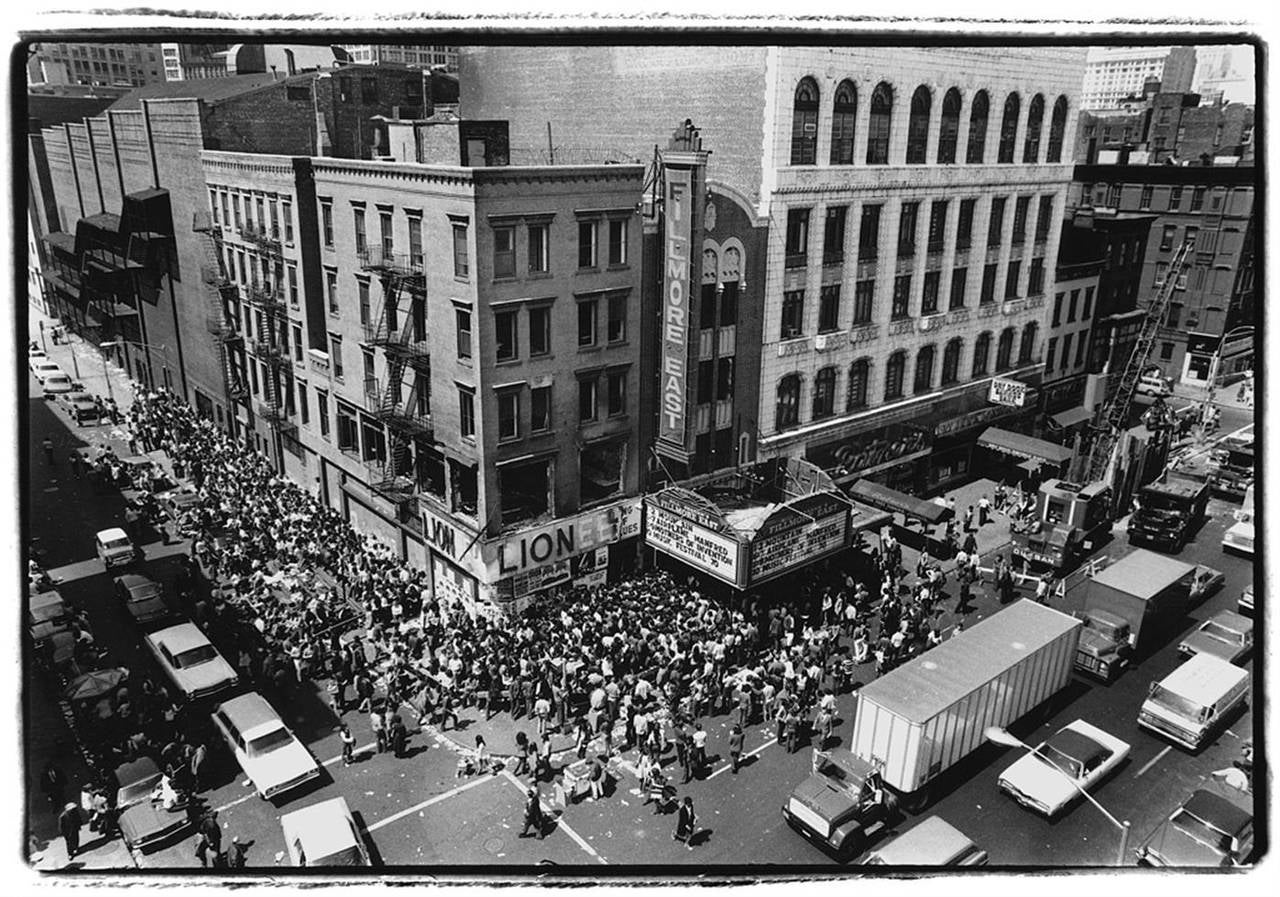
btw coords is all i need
(82, 361)
(1224, 396)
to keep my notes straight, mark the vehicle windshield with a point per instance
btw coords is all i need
(839, 775)
(1062, 761)
(144, 593)
(1175, 702)
(1202, 831)
(138, 790)
(265, 744)
(195, 657)
(1221, 633)
(1165, 504)
(121, 542)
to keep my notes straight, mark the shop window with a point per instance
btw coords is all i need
(978, 114)
(525, 490)
(600, 471)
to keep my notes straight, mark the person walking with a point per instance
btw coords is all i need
(236, 855)
(984, 510)
(399, 737)
(685, 821)
(968, 519)
(198, 757)
(348, 743)
(735, 747)
(698, 760)
(597, 778)
(379, 730)
(69, 822)
(533, 815)
(682, 753)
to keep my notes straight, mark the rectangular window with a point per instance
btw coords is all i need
(213, 205)
(792, 314)
(335, 355)
(729, 304)
(370, 378)
(1167, 235)
(617, 242)
(504, 252)
(901, 297)
(331, 284)
(507, 335)
(539, 330)
(724, 378)
(461, 257)
(929, 294)
(466, 413)
(508, 414)
(907, 229)
(387, 233)
(707, 307)
(1011, 280)
(829, 308)
(362, 286)
(587, 399)
(292, 274)
(274, 207)
(869, 233)
(959, 283)
(326, 223)
(1088, 303)
(1057, 309)
(863, 297)
(362, 240)
(539, 248)
(833, 235)
(415, 242)
(1066, 351)
(540, 409)
(587, 313)
(937, 224)
(1044, 218)
(235, 207)
(259, 218)
(1071, 306)
(988, 293)
(587, 244)
(1197, 198)
(1144, 198)
(995, 226)
(1020, 209)
(1050, 351)
(226, 209)
(1166, 351)
(616, 331)
(797, 248)
(617, 397)
(322, 412)
(1191, 236)
(369, 90)
(964, 227)
(1035, 278)
(297, 342)
(706, 382)
(286, 212)
(1080, 349)
(462, 320)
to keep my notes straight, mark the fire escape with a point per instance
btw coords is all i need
(220, 318)
(270, 347)
(403, 338)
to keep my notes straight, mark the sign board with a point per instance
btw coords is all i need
(453, 587)
(676, 279)
(553, 543)
(691, 543)
(672, 500)
(1008, 392)
(450, 540)
(539, 578)
(592, 568)
(784, 548)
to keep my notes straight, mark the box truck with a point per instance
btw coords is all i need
(1140, 594)
(1191, 703)
(919, 720)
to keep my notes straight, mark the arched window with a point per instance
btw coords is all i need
(924, 370)
(978, 111)
(918, 126)
(878, 127)
(1028, 345)
(842, 120)
(1008, 129)
(788, 402)
(1035, 119)
(859, 372)
(824, 393)
(951, 361)
(1004, 351)
(893, 371)
(804, 124)
(981, 350)
(950, 130)
(1057, 127)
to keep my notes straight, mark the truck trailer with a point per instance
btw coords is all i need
(1124, 604)
(1169, 510)
(922, 718)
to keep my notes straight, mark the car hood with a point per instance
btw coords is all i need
(1037, 780)
(1207, 644)
(279, 766)
(149, 608)
(827, 802)
(147, 821)
(1177, 848)
(205, 675)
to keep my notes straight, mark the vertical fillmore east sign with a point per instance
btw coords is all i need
(676, 277)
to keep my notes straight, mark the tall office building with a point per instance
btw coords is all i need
(1115, 73)
(95, 63)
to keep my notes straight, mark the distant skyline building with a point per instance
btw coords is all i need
(1228, 69)
(102, 64)
(425, 55)
(1114, 73)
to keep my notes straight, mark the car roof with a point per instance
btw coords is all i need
(319, 827)
(1217, 809)
(44, 599)
(136, 771)
(180, 638)
(1078, 745)
(1230, 620)
(133, 580)
(1204, 678)
(249, 712)
(932, 841)
(114, 532)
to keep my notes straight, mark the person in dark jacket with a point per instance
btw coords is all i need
(685, 821)
(399, 736)
(69, 822)
(735, 747)
(533, 814)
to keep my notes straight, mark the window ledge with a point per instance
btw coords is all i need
(538, 275)
(506, 278)
(589, 269)
(622, 267)
(596, 348)
(507, 362)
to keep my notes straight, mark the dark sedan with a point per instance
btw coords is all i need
(142, 597)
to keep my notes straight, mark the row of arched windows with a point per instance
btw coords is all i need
(922, 380)
(804, 126)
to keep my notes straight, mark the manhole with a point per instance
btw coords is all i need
(493, 845)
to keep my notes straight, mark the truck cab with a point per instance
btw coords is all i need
(1106, 644)
(1068, 518)
(842, 804)
(1168, 512)
(1235, 472)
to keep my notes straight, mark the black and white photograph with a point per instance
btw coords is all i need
(553, 454)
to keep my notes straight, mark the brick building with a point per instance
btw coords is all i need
(1167, 128)
(1081, 257)
(95, 63)
(1113, 74)
(912, 224)
(1211, 206)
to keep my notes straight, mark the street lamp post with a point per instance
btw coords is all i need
(105, 373)
(1002, 736)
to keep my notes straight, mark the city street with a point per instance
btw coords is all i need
(416, 811)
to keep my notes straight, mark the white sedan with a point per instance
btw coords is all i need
(269, 753)
(1078, 756)
(45, 368)
(324, 834)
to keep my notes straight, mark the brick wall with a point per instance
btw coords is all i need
(272, 119)
(62, 178)
(105, 163)
(82, 158)
(134, 149)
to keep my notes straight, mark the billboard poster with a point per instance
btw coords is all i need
(676, 278)
(1008, 392)
(695, 545)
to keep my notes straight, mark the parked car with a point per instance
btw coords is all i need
(115, 548)
(145, 823)
(1213, 827)
(1226, 634)
(1078, 756)
(47, 614)
(324, 834)
(43, 368)
(934, 842)
(1154, 385)
(176, 502)
(35, 355)
(1206, 582)
(57, 384)
(268, 752)
(80, 407)
(142, 597)
(190, 661)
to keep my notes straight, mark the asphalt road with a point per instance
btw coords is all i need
(415, 812)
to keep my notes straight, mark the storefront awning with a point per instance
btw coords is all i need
(1020, 445)
(880, 496)
(1071, 416)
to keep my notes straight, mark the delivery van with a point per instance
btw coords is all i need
(1190, 704)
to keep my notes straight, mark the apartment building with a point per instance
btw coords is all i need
(1081, 258)
(95, 64)
(912, 224)
(1168, 128)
